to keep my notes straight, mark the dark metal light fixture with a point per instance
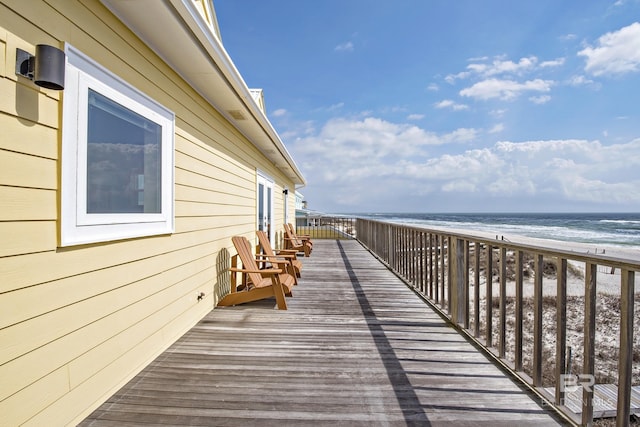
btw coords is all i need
(285, 191)
(45, 68)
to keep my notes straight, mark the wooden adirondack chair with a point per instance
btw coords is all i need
(288, 255)
(261, 284)
(293, 242)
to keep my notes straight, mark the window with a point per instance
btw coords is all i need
(117, 158)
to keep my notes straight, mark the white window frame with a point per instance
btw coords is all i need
(78, 226)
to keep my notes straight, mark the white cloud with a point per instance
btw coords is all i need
(499, 66)
(615, 52)
(497, 128)
(542, 99)
(449, 104)
(459, 135)
(505, 89)
(369, 147)
(433, 87)
(373, 163)
(555, 63)
(415, 117)
(344, 47)
(498, 113)
(579, 81)
(279, 112)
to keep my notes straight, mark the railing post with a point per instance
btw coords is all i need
(625, 363)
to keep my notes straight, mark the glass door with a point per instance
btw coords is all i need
(265, 205)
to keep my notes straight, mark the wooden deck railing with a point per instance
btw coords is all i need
(449, 270)
(327, 226)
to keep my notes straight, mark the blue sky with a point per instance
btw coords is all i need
(449, 106)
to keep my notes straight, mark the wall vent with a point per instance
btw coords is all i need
(236, 114)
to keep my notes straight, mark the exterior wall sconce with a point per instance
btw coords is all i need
(285, 191)
(45, 68)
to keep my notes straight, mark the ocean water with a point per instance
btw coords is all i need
(599, 229)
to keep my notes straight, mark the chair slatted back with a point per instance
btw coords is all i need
(294, 240)
(243, 247)
(265, 244)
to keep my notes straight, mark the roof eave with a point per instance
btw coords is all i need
(176, 31)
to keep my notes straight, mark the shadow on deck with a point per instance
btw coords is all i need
(356, 347)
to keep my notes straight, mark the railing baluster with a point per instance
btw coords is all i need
(414, 259)
(456, 280)
(489, 297)
(450, 283)
(625, 364)
(436, 262)
(519, 312)
(476, 290)
(537, 322)
(421, 263)
(561, 329)
(443, 239)
(406, 249)
(431, 263)
(466, 284)
(589, 340)
(502, 347)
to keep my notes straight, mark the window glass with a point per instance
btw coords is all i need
(123, 159)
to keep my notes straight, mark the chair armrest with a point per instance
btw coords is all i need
(291, 252)
(263, 257)
(269, 271)
(285, 256)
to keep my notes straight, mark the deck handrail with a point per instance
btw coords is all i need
(443, 266)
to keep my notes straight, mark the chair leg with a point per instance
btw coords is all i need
(278, 290)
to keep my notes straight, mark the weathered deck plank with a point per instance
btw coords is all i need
(356, 347)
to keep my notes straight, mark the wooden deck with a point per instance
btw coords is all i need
(356, 347)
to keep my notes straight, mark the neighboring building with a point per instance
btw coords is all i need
(301, 203)
(119, 195)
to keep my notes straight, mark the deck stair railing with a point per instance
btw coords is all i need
(492, 291)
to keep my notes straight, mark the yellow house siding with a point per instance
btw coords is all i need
(34, 203)
(76, 323)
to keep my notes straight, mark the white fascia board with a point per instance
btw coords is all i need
(176, 31)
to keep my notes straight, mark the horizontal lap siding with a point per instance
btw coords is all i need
(76, 323)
